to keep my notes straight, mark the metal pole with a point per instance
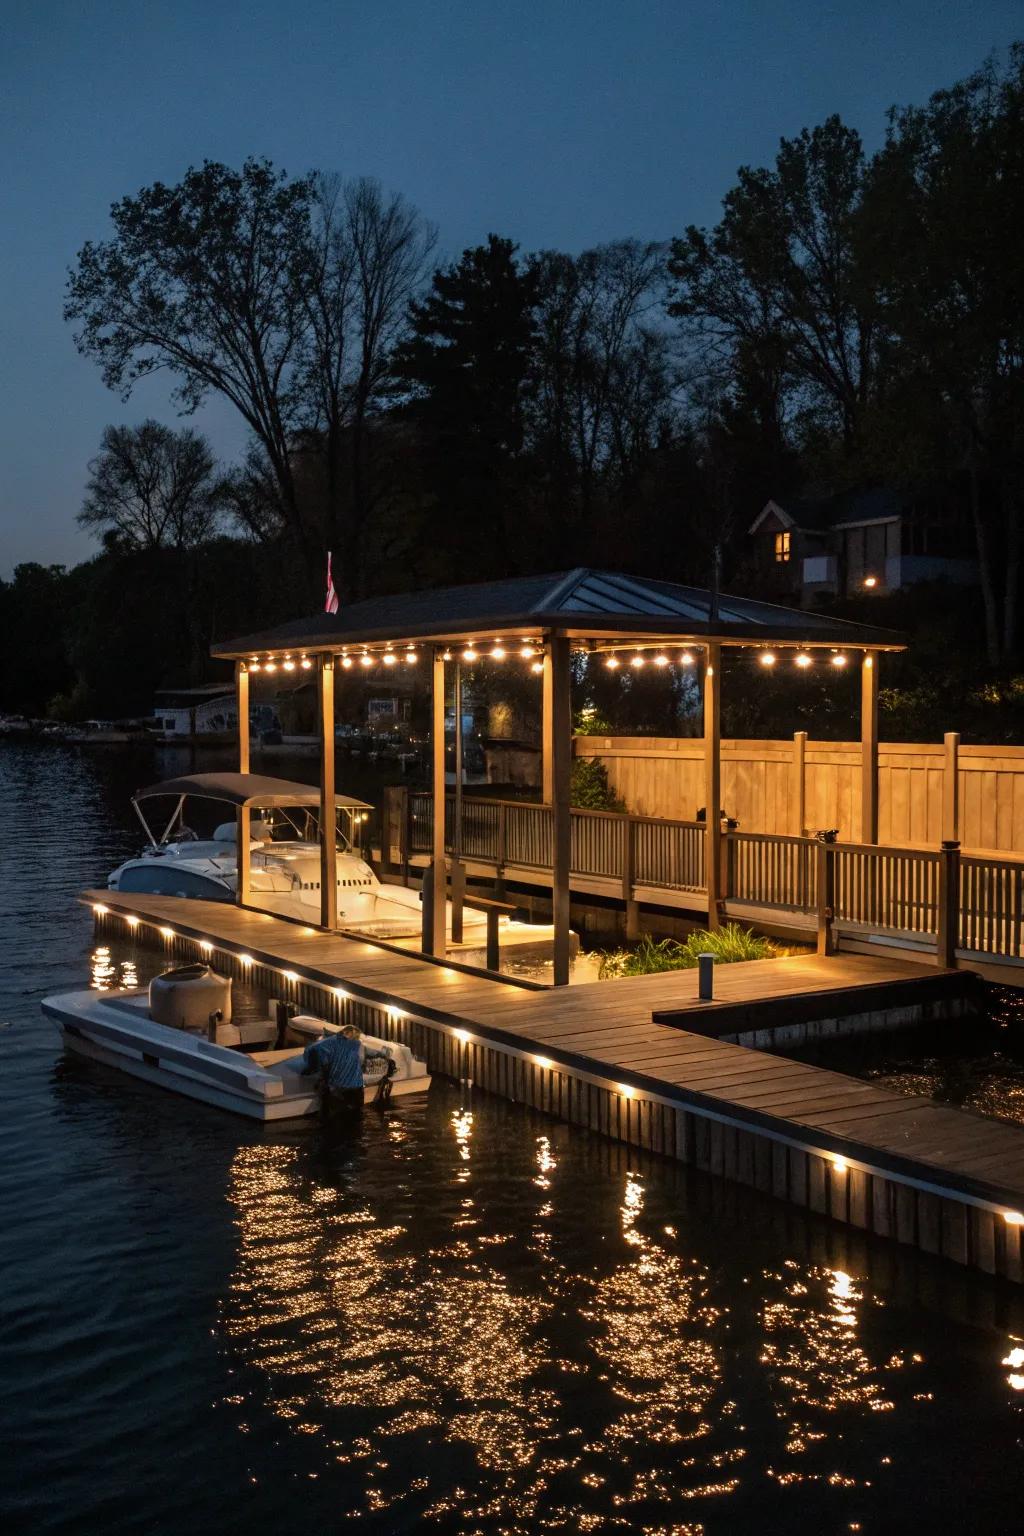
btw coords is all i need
(869, 749)
(560, 747)
(437, 873)
(713, 778)
(328, 802)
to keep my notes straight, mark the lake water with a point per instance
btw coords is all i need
(462, 1317)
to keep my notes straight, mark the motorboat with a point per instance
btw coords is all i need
(284, 862)
(170, 1035)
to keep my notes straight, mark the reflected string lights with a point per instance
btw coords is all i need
(554, 1354)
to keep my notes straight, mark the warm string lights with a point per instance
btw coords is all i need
(532, 651)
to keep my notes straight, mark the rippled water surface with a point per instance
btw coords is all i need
(462, 1317)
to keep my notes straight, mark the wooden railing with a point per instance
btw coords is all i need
(959, 902)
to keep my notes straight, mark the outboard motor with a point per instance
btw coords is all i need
(186, 996)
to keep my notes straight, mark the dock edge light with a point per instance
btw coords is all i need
(341, 994)
(292, 976)
(543, 1061)
(1013, 1218)
(131, 920)
(463, 1035)
(244, 959)
(840, 1164)
(167, 933)
(627, 1090)
(100, 909)
(206, 946)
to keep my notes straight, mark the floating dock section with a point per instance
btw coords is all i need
(641, 1060)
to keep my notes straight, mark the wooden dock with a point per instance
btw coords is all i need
(946, 1181)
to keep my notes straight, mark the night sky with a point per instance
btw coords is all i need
(561, 123)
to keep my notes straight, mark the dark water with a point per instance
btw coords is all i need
(463, 1318)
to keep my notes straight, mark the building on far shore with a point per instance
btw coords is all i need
(865, 542)
(208, 710)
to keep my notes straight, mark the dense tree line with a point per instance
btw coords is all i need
(850, 321)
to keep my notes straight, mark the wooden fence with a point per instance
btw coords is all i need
(797, 786)
(967, 904)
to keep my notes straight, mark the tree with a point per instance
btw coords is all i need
(152, 487)
(466, 365)
(206, 280)
(779, 284)
(946, 205)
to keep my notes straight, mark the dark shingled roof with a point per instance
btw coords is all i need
(582, 602)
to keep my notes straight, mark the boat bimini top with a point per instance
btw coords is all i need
(252, 791)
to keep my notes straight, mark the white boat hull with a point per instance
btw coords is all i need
(116, 1031)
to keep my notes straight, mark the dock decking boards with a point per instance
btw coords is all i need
(607, 1064)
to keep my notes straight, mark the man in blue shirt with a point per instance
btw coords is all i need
(339, 1058)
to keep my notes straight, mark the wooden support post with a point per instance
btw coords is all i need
(713, 778)
(629, 881)
(243, 814)
(547, 767)
(951, 788)
(798, 786)
(948, 937)
(869, 748)
(242, 705)
(493, 947)
(328, 803)
(458, 898)
(826, 897)
(558, 749)
(437, 873)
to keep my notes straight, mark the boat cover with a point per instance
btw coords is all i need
(252, 789)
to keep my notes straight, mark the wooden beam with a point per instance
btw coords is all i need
(242, 704)
(242, 815)
(547, 769)
(713, 777)
(328, 839)
(951, 788)
(438, 874)
(559, 750)
(798, 787)
(869, 748)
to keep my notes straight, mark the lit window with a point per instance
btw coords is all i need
(782, 547)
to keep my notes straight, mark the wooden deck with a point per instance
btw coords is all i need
(945, 1179)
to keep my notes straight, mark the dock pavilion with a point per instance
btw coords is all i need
(540, 621)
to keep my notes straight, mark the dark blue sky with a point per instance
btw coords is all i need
(558, 122)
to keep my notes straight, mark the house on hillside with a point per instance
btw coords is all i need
(858, 543)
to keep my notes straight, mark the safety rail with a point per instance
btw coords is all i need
(960, 902)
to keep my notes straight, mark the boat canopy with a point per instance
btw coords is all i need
(255, 790)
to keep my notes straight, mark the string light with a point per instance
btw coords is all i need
(366, 660)
(288, 665)
(687, 658)
(306, 663)
(410, 655)
(661, 660)
(346, 662)
(613, 662)
(803, 660)
(389, 658)
(527, 651)
(469, 654)
(446, 654)
(839, 661)
(497, 652)
(871, 581)
(254, 666)
(536, 666)
(767, 658)
(637, 660)
(271, 666)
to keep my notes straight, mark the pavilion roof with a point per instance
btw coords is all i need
(583, 604)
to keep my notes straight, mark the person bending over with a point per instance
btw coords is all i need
(339, 1059)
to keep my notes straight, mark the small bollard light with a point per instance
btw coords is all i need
(705, 978)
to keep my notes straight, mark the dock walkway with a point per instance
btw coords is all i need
(946, 1180)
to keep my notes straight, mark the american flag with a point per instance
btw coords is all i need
(331, 605)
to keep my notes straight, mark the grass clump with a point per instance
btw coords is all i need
(728, 944)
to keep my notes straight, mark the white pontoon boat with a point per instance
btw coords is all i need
(252, 1068)
(285, 862)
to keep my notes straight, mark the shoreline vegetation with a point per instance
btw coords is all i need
(649, 955)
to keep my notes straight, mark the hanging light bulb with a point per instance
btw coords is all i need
(613, 662)
(346, 662)
(389, 658)
(306, 663)
(254, 666)
(839, 660)
(687, 658)
(527, 651)
(410, 655)
(288, 665)
(802, 659)
(497, 652)
(469, 654)
(446, 654)
(661, 660)
(537, 666)
(767, 658)
(270, 666)
(637, 660)
(366, 660)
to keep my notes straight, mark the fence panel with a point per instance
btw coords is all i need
(772, 871)
(669, 854)
(597, 843)
(887, 888)
(991, 897)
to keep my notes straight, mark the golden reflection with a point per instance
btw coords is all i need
(1014, 1358)
(107, 975)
